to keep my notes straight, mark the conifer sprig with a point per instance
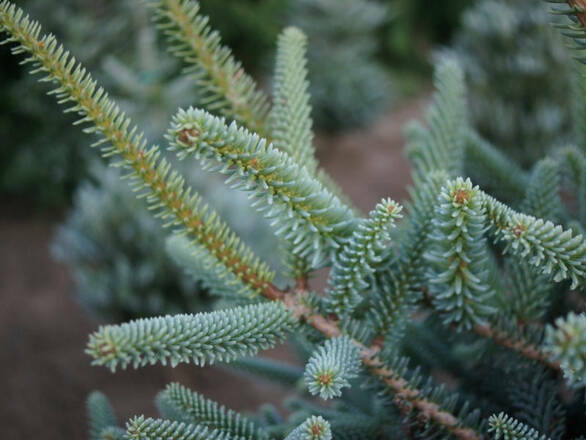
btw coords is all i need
(100, 414)
(198, 410)
(396, 290)
(393, 380)
(440, 145)
(229, 89)
(544, 245)
(359, 257)
(141, 428)
(518, 344)
(314, 428)
(507, 428)
(331, 367)
(542, 195)
(290, 118)
(165, 189)
(458, 281)
(305, 212)
(203, 338)
(567, 343)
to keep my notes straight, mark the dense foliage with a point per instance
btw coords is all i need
(519, 77)
(486, 298)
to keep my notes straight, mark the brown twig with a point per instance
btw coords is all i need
(294, 301)
(525, 349)
(579, 7)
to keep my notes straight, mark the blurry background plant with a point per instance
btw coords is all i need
(519, 76)
(348, 85)
(116, 249)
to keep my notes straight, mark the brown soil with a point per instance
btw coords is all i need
(43, 331)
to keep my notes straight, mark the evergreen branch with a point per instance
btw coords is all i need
(567, 344)
(358, 259)
(508, 428)
(518, 345)
(269, 369)
(331, 367)
(141, 428)
(306, 213)
(441, 145)
(100, 414)
(534, 395)
(290, 118)
(395, 383)
(197, 410)
(406, 394)
(575, 162)
(392, 294)
(203, 338)
(529, 297)
(229, 89)
(314, 428)
(458, 280)
(542, 198)
(543, 244)
(490, 167)
(197, 262)
(165, 189)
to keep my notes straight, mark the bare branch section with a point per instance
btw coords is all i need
(528, 351)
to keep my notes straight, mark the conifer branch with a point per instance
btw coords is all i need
(141, 428)
(395, 383)
(197, 410)
(100, 414)
(440, 145)
(306, 213)
(290, 118)
(547, 246)
(314, 428)
(507, 428)
(331, 367)
(395, 291)
(229, 89)
(525, 349)
(202, 338)
(165, 189)
(459, 279)
(542, 198)
(494, 167)
(567, 344)
(358, 259)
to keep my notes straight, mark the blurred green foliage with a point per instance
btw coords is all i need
(519, 76)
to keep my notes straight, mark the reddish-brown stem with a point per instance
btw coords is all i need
(526, 350)
(369, 355)
(579, 7)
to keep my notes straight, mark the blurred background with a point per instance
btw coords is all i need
(76, 247)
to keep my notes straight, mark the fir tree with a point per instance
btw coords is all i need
(445, 269)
